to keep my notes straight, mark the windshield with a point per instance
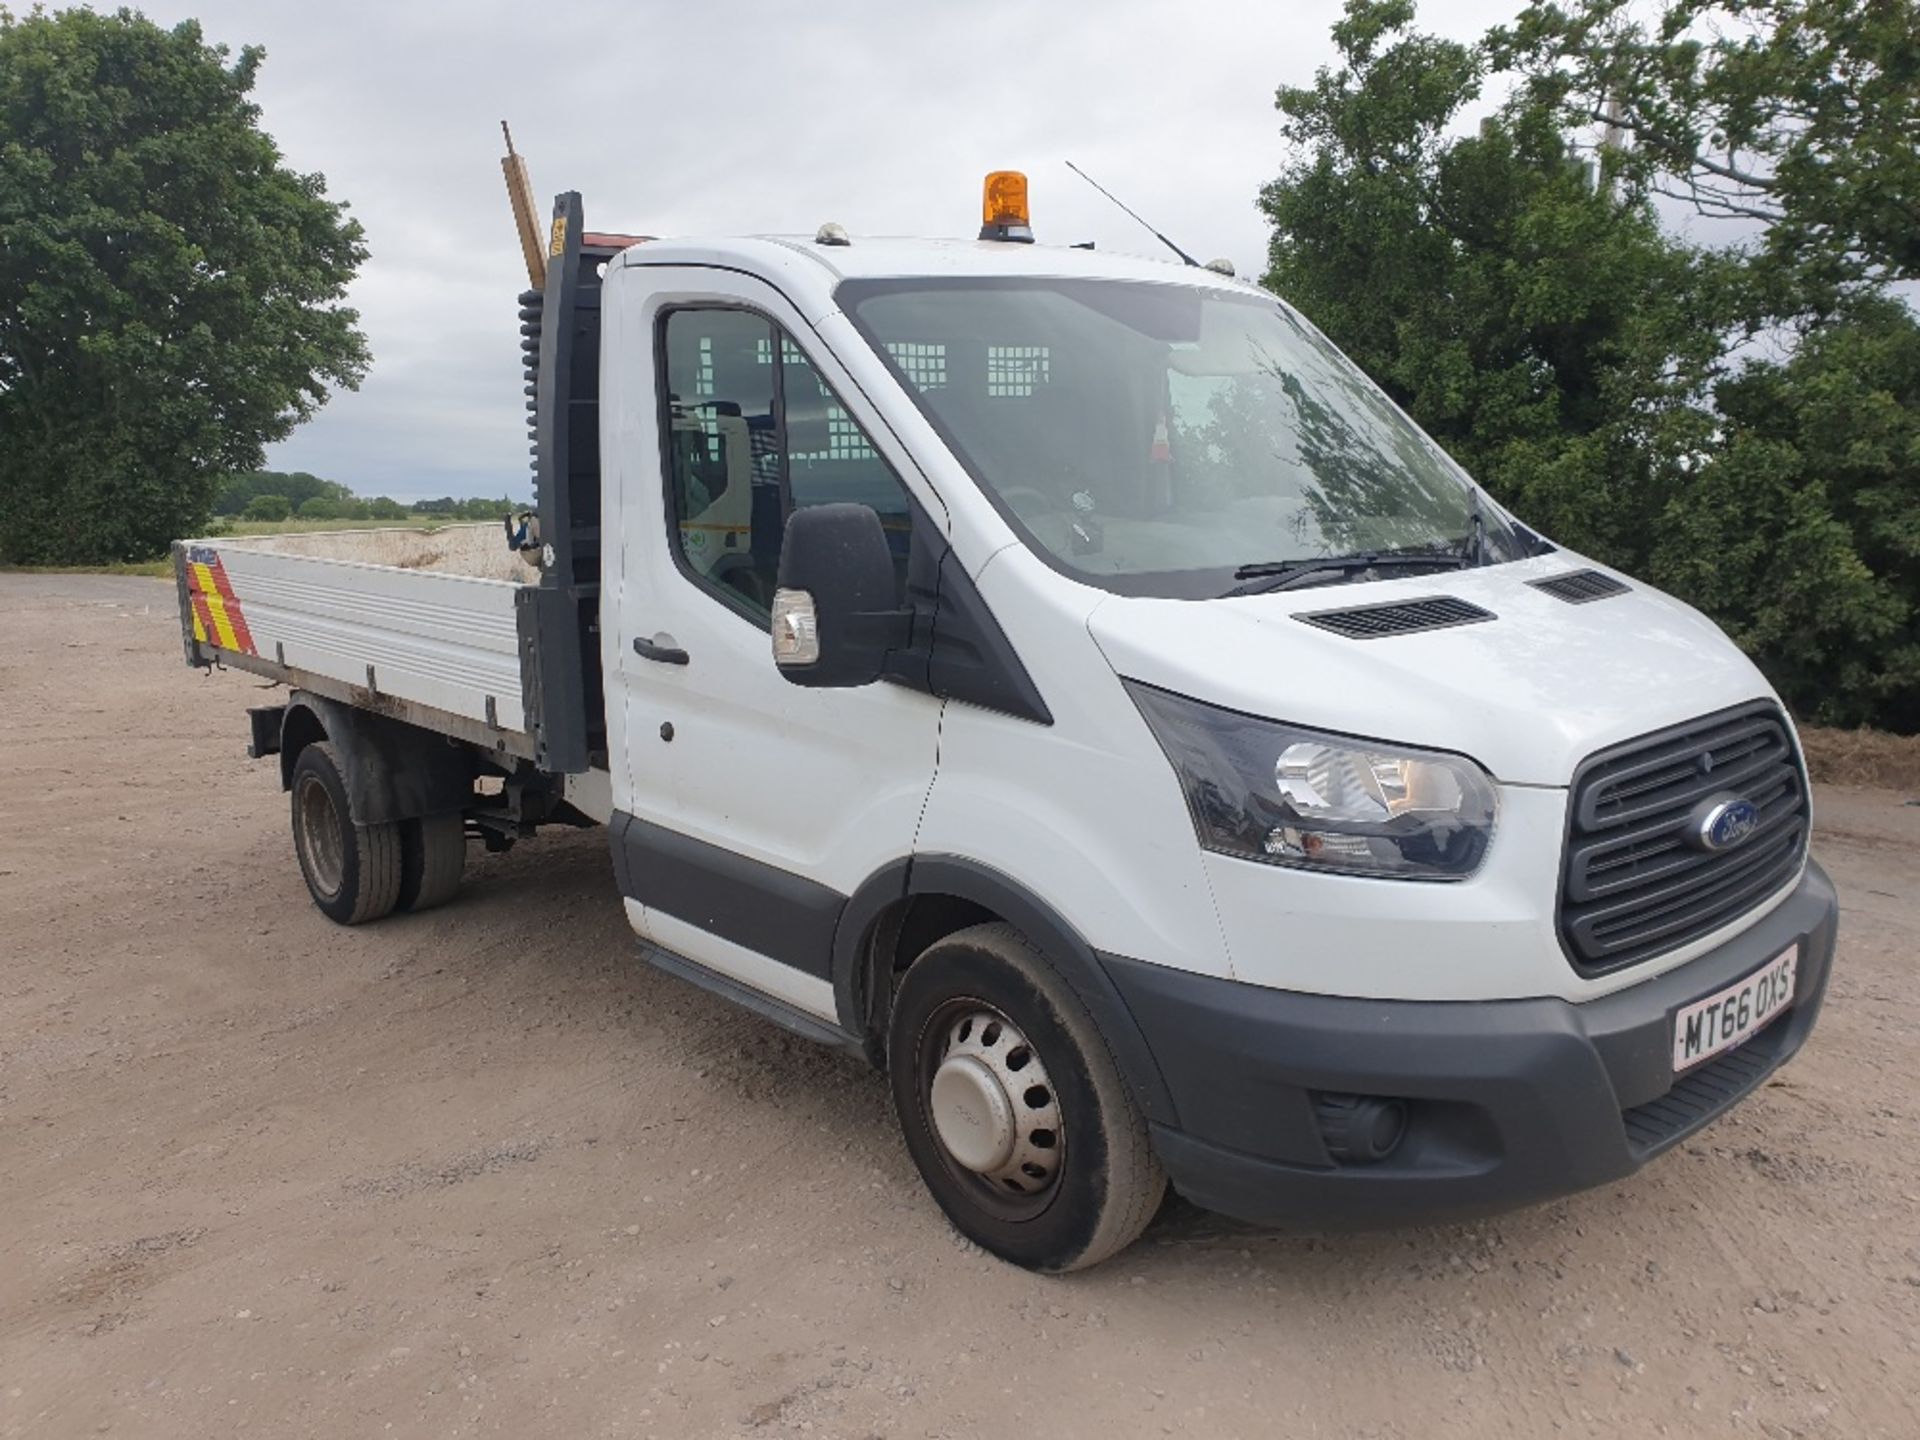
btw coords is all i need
(1155, 439)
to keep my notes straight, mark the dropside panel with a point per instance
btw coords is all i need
(444, 641)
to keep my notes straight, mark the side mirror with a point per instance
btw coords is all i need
(834, 613)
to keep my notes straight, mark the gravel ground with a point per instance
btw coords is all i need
(481, 1172)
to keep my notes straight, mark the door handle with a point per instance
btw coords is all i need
(665, 654)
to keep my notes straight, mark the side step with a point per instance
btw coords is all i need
(788, 1017)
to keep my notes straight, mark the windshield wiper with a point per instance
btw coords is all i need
(1475, 545)
(1266, 576)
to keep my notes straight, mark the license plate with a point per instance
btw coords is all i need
(1721, 1021)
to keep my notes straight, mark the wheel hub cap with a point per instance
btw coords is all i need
(993, 1106)
(972, 1114)
(321, 837)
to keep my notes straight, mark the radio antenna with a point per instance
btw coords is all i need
(1135, 214)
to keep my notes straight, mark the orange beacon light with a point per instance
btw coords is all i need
(1003, 208)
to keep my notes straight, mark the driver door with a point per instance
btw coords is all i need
(747, 809)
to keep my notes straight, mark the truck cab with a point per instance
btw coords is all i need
(1069, 682)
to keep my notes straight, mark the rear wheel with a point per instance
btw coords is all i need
(433, 853)
(352, 871)
(1013, 1107)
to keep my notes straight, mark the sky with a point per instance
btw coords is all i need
(729, 117)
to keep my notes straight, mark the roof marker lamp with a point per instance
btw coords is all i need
(1308, 800)
(1003, 208)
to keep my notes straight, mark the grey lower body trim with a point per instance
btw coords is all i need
(762, 908)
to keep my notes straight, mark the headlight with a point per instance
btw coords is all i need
(1286, 796)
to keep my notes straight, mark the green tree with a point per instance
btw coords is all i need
(320, 507)
(298, 487)
(270, 508)
(169, 289)
(1802, 535)
(1798, 115)
(1542, 329)
(1514, 289)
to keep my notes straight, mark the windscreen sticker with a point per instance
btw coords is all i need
(217, 617)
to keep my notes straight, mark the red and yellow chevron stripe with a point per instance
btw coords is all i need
(217, 618)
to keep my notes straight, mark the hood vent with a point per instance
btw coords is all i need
(1577, 587)
(1398, 617)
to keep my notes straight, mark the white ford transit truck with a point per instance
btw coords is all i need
(1070, 683)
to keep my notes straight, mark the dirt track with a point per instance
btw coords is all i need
(481, 1172)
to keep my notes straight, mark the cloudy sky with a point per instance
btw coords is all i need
(733, 116)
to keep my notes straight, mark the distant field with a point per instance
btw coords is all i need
(164, 566)
(125, 567)
(301, 527)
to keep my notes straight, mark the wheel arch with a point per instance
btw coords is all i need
(300, 726)
(910, 904)
(392, 770)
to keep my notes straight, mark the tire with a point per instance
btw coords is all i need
(433, 853)
(352, 871)
(1076, 1187)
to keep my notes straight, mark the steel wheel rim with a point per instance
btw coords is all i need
(971, 1055)
(323, 840)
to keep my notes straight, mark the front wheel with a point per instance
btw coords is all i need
(1013, 1106)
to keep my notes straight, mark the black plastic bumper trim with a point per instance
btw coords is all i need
(1510, 1101)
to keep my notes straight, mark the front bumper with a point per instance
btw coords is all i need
(1509, 1101)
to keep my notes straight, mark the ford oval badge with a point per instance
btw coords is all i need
(1722, 823)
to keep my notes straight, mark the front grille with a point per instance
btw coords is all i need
(1633, 886)
(1397, 617)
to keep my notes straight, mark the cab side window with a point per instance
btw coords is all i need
(753, 433)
